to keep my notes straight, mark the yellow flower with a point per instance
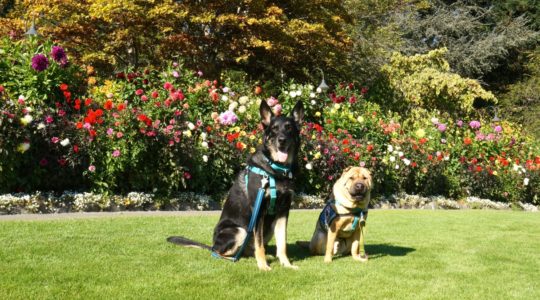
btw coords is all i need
(495, 173)
(252, 137)
(317, 155)
(92, 80)
(187, 133)
(242, 133)
(420, 133)
(360, 119)
(252, 150)
(318, 114)
(23, 147)
(27, 119)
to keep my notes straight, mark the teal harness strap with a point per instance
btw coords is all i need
(357, 212)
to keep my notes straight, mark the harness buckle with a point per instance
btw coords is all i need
(264, 181)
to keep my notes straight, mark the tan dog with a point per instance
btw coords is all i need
(340, 228)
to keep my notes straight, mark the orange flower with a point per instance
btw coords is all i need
(467, 141)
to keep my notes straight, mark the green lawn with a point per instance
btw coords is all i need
(413, 254)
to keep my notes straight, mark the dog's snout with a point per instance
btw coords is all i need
(282, 140)
(359, 186)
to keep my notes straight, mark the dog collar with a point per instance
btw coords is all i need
(285, 170)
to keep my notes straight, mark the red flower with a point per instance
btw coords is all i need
(232, 137)
(87, 102)
(77, 105)
(478, 169)
(92, 132)
(75, 148)
(430, 157)
(108, 104)
(414, 164)
(369, 148)
(121, 107)
(345, 142)
(155, 94)
(240, 146)
(346, 150)
(63, 87)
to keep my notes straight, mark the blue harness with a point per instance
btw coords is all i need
(328, 215)
(266, 179)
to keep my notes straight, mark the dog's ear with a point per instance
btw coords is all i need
(298, 112)
(266, 113)
(347, 169)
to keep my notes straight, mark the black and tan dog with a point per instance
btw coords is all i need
(277, 158)
(340, 228)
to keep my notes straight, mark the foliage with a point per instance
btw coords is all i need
(425, 81)
(261, 38)
(522, 100)
(478, 39)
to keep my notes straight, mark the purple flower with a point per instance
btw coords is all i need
(475, 124)
(459, 123)
(58, 54)
(441, 127)
(40, 62)
(227, 118)
(498, 129)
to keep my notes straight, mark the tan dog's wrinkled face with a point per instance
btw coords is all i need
(357, 182)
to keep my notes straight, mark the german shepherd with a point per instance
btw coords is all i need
(281, 143)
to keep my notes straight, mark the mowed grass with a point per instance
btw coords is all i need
(413, 255)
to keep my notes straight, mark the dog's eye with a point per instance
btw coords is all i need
(288, 127)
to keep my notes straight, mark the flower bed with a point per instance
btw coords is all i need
(168, 131)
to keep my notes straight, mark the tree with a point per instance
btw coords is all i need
(263, 38)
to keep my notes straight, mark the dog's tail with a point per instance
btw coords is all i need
(182, 241)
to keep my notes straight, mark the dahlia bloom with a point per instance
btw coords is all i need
(40, 62)
(228, 118)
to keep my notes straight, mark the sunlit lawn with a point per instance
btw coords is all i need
(413, 254)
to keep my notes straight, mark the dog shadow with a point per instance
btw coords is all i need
(375, 251)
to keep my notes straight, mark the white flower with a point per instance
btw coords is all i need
(392, 159)
(397, 167)
(400, 154)
(204, 144)
(525, 181)
(310, 87)
(22, 98)
(225, 89)
(446, 157)
(406, 161)
(64, 142)
(186, 133)
(292, 94)
(190, 125)
(313, 102)
(390, 148)
(204, 135)
(318, 90)
(205, 158)
(41, 125)
(434, 120)
(27, 119)
(309, 166)
(29, 109)
(243, 100)
(299, 93)
(242, 109)
(233, 106)
(360, 119)
(337, 106)
(224, 98)
(23, 147)
(312, 95)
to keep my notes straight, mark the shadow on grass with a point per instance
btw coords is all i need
(375, 251)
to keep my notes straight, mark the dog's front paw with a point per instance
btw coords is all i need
(328, 259)
(361, 258)
(264, 267)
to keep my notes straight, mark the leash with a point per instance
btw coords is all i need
(266, 179)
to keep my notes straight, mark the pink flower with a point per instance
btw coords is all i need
(167, 86)
(144, 98)
(55, 139)
(475, 124)
(498, 129)
(277, 109)
(187, 175)
(175, 74)
(272, 101)
(441, 127)
(155, 94)
(61, 113)
(87, 126)
(49, 119)
(362, 164)
(110, 131)
(119, 134)
(200, 73)
(116, 153)
(43, 162)
(92, 168)
(139, 92)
